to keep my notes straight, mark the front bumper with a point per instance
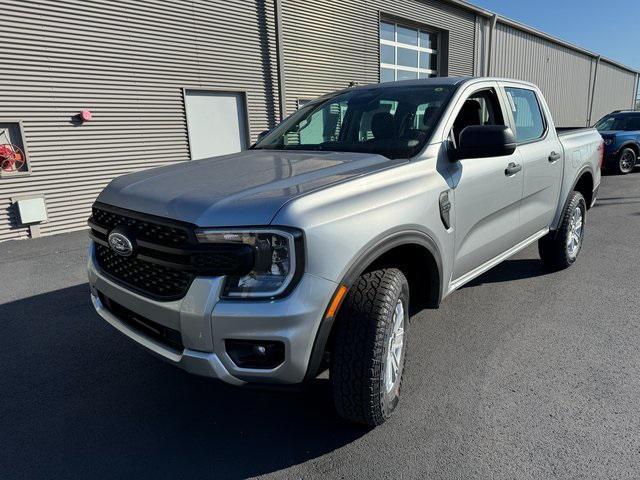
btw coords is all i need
(205, 321)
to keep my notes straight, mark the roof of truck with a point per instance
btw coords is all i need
(437, 81)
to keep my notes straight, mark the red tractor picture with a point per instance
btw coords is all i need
(12, 158)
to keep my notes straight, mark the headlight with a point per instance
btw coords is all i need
(608, 141)
(277, 260)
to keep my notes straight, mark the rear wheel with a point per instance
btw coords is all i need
(626, 161)
(369, 350)
(560, 249)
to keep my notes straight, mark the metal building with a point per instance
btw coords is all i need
(92, 89)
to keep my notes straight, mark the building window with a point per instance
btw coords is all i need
(407, 53)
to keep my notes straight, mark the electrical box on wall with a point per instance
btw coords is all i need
(31, 209)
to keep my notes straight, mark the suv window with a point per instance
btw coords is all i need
(620, 121)
(634, 123)
(526, 113)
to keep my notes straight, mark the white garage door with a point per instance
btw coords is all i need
(216, 122)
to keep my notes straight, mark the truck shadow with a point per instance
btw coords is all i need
(509, 270)
(79, 400)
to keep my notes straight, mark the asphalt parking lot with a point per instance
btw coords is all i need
(522, 374)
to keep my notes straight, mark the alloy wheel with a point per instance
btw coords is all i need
(393, 364)
(574, 237)
(627, 161)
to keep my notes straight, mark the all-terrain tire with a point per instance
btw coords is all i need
(365, 333)
(556, 249)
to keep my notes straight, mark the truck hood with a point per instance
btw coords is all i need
(242, 189)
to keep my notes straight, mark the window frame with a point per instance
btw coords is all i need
(512, 119)
(417, 48)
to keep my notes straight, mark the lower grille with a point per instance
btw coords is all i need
(166, 336)
(149, 278)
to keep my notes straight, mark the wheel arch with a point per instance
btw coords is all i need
(399, 250)
(584, 185)
(633, 144)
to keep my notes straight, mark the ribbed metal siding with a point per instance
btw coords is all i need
(614, 90)
(329, 43)
(563, 75)
(127, 62)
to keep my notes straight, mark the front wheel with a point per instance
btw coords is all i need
(369, 349)
(626, 161)
(559, 249)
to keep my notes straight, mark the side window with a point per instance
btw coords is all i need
(481, 108)
(634, 123)
(526, 113)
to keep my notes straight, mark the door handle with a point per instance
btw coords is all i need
(512, 169)
(553, 156)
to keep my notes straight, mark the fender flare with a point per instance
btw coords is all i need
(581, 172)
(370, 253)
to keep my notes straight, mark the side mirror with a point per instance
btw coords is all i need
(262, 134)
(481, 141)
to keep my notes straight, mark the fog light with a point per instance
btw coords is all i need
(254, 353)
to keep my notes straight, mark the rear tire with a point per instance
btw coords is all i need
(626, 161)
(560, 249)
(369, 349)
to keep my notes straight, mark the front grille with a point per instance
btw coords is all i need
(172, 236)
(153, 279)
(166, 254)
(167, 336)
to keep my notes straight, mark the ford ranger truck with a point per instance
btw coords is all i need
(307, 252)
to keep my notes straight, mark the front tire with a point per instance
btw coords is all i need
(369, 349)
(560, 249)
(626, 161)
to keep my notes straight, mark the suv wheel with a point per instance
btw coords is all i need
(370, 348)
(559, 249)
(626, 161)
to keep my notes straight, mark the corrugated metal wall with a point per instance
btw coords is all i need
(329, 43)
(563, 74)
(126, 61)
(614, 90)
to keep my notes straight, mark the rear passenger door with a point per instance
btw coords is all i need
(541, 154)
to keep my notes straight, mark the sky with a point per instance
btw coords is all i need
(610, 28)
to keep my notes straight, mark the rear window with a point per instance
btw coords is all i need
(526, 113)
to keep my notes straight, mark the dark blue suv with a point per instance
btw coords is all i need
(621, 133)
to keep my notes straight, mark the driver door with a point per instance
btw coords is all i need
(487, 191)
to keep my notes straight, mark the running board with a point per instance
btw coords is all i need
(467, 277)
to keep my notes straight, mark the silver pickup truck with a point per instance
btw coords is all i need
(308, 251)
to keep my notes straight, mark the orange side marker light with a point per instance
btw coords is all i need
(336, 301)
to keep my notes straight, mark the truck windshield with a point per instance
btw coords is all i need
(624, 122)
(394, 121)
